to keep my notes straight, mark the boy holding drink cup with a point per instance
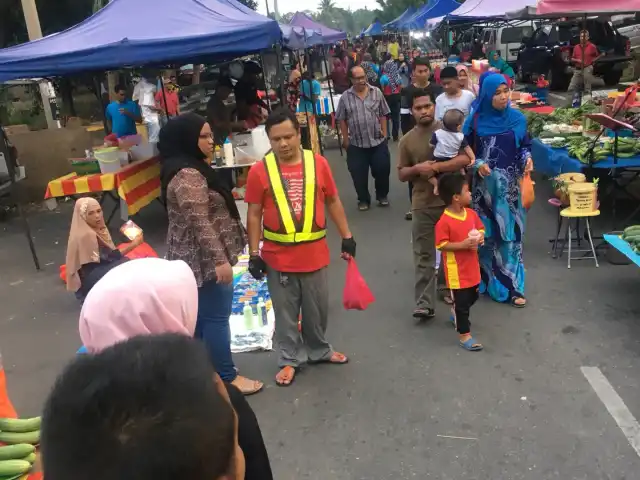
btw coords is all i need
(458, 234)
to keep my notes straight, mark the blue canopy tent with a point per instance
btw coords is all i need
(435, 9)
(393, 24)
(374, 29)
(115, 36)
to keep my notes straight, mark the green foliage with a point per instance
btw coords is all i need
(54, 16)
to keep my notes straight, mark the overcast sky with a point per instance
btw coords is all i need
(285, 6)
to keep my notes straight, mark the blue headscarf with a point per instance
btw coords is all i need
(486, 120)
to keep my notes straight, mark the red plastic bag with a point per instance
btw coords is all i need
(356, 294)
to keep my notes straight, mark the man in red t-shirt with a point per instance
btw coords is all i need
(173, 102)
(589, 52)
(287, 192)
(458, 234)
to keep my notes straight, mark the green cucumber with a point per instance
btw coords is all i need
(31, 458)
(16, 452)
(13, 467)
(20, 425)
(12, 438)
(632, 238)
(630, 228)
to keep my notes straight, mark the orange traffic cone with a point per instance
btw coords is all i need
(6, 407)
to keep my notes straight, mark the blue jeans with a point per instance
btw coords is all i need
(212, 327)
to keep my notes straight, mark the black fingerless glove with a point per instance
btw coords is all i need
(349, 246)
(257, 267)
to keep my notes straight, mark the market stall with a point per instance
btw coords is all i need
(626, 243)
(418, 21)
(329, 35)
(374, 29)
(132, 187)
(397, 22)
(115, 36)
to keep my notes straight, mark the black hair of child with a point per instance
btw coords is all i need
(453, 119)
(449, 185)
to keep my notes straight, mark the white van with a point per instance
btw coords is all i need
(506, 40)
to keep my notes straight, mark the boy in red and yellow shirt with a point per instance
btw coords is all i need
(458, 234)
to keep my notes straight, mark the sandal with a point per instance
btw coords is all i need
(286, 376)
(471, 345)
(514, 301)
(336, 358)
(246, 385)
(424, 313)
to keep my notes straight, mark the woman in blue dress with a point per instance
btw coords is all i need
(498, 136)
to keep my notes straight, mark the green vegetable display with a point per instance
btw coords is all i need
(631, 235)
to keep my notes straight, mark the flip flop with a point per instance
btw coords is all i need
(344, 360)
(293, 377)
(471, 345)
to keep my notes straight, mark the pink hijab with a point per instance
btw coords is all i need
(141, 297)
(469, 84)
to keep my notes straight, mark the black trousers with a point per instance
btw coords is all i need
(394, 116)
(250, 439)
(406, 122)
(360, 160)
(463, 300)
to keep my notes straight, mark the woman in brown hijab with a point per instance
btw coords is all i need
(91, 252)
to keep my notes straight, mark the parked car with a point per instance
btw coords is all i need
(506, 40)
(548, 52)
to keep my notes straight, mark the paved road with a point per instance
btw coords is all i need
(523, 406)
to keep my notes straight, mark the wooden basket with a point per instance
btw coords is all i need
(583, 197)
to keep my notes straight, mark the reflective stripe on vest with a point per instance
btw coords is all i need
(291, 230)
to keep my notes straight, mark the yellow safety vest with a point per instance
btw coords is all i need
(291, 230)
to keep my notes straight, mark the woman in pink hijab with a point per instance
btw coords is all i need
(465, 79)
(153, 296)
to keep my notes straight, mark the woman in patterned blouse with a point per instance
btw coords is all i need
(205, 231)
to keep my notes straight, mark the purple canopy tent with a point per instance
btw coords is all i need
(329, 35)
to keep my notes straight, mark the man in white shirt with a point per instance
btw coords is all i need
(144, 94)
(454, 96)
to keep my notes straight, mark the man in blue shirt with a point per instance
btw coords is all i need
(122, 114)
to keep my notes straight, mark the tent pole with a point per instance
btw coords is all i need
(280, 77)
(333, 108)
(312, 100)
(264, 80)
(164, 95)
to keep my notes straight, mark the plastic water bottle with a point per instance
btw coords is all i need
(262, 312)
(247, 312)
(577, 100)
(228, 152)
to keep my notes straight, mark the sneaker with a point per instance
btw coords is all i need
(383, 202)
(408, 216)
(363, 207)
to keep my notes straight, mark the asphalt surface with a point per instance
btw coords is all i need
(521, 409)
